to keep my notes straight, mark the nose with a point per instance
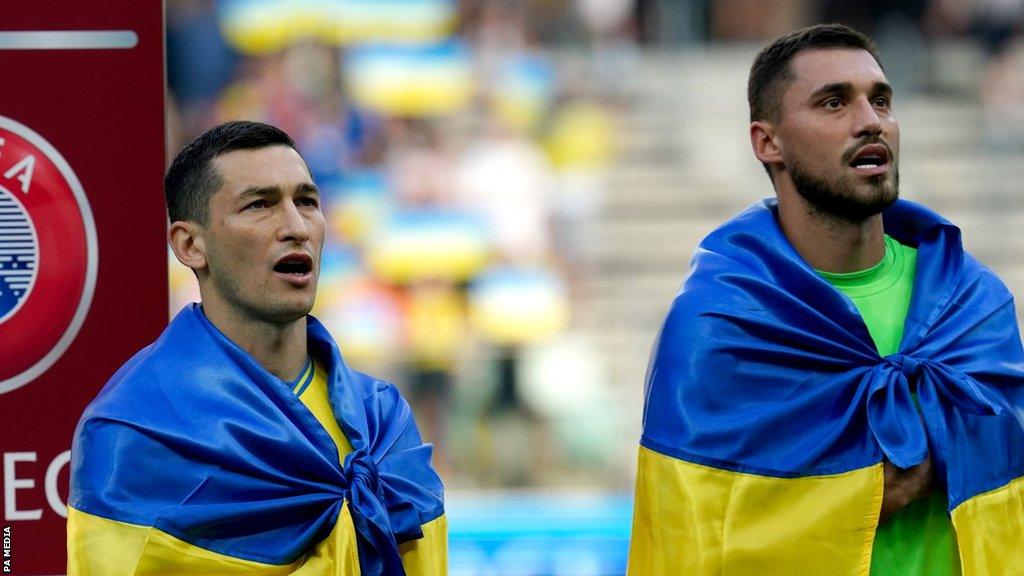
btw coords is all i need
(291, 225)
(867, 121)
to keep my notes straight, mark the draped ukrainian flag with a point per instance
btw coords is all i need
(769, 411)
(195, 459)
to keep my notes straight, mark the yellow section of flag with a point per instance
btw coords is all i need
(703, 521)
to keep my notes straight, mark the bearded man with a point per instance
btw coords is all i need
(838, 388)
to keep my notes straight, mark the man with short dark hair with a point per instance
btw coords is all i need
(239, 442)
(838, 388)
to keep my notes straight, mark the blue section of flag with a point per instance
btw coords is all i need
(216, 452)
(763, 367)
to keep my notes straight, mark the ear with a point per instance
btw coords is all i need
(764, 141)
(187, 242)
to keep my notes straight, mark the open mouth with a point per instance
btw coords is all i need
(294, 265)
(873, 158)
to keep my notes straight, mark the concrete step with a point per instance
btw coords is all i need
(644, 236)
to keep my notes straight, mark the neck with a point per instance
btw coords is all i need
(831, 244)
(279, 347)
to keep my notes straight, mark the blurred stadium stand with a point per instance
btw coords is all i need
(514, 191)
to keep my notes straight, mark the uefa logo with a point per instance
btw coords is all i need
(48, 255)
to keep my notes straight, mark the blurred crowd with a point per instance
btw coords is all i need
(458, 168)
(462, 160)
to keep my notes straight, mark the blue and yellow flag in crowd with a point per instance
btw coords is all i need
(405, 80)
(196, 460)
(261, 26)
(769, 411)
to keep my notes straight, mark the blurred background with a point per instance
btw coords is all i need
(514, 189)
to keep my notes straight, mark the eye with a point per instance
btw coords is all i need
(257, 205)
(881, 101)
(833, 103)
(309, 201)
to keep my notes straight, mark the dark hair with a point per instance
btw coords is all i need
(770, 73)
(191, 180)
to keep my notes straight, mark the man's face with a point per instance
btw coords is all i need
(837, 134)
(264, 236)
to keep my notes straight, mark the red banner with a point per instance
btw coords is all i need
(83, 262)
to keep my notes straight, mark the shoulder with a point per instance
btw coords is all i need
(371, 386)
(135, 380)
(124, 430)
(146, 388)
(982, 278)
(381, 397)
(939, 247)
(142, 376)
(374, 393)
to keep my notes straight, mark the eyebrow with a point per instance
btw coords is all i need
(307, 188)
(260, 191)
(882, 88)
